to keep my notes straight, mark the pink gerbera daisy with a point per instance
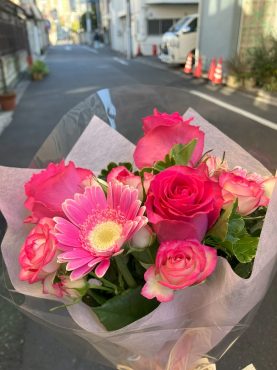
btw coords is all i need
(97, 227)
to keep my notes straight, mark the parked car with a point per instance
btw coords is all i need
(179, 41)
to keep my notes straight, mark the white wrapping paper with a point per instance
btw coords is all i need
(179, 332)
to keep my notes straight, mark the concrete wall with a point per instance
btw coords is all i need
(218, 32)
(259, 19)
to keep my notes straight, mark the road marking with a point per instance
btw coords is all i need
(90, 49)
(121, 61)
(261, 120)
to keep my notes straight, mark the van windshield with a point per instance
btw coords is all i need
(179, 25)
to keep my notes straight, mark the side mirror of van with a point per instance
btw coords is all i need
(186, 29)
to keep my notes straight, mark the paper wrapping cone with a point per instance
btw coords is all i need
(179, 332)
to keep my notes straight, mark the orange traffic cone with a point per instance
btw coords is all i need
(188, 65)
(217, 79)
(139, 53)
(212, 69)
(198, 69)
(154, 50)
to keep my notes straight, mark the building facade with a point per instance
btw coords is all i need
(149, 20)
(229, 28)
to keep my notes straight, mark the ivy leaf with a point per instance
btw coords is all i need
(181, 153)
(230, 235)
(124, 309)
(245, 248)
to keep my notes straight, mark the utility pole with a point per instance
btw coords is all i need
(88, 22)
(129, 30)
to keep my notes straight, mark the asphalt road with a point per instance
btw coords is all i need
(76, 72)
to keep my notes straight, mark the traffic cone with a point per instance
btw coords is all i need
(139, 53)
(154, 50)
(217, 79)
(188, 65)
(212, 69)
(197, 73)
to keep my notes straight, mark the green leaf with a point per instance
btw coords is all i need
(245, 248)
(124, 309)
(244, 269)
(220, 229)
(230, 235)
(181, 153)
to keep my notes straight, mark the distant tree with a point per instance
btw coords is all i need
(93, 18)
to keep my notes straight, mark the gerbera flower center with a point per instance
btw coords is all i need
(105, 235)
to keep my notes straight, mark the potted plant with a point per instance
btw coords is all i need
(7, 97)
(237, 72)
(39, 70)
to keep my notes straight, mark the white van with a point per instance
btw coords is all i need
(179, 40)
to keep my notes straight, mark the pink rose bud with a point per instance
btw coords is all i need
(143, 238)
(126, 177)
(179, 264)
(215, 166)
(65, 287)
(38, 255)
(268, 185)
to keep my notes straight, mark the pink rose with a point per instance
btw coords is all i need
(48, 189)
(251, 190)
(162, 119)
(162, 132)
(38, 254)
(179, 264)
(126, 177)
(183, 203)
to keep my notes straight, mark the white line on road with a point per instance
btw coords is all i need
(261, 120)
(94, 51)
(121, 61)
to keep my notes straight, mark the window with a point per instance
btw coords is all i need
(153, 27)
(193, 25)
(166, 24)
(159, 26)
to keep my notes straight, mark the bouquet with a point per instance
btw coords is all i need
(157, 252)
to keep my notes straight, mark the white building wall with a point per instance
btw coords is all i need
(113, 13)
(159, 12)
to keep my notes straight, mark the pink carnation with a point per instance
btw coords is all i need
(48, 189)
(162, 132)
(38, 255)
(179, 264)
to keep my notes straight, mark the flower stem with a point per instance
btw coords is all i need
(127, 276)
(97, 287)
(105, 281)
